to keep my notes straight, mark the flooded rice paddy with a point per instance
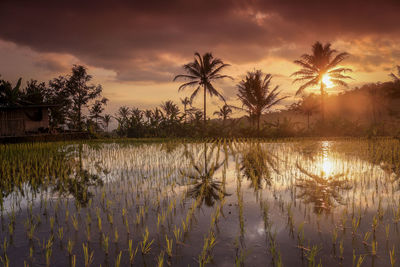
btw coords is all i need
(217, 203)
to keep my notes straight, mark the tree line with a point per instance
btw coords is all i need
(73, 100)
(79, 104)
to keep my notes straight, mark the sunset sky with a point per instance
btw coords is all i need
(134, 48)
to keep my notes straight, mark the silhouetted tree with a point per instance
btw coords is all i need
(186, 102)
(10, 96)
(171, 110)
(58, 95)
(395, 92)
(256, 95)
(35, 92)
(224, 112)
(81, 92)
(378, 100)
(96, 110)
(201, 73)
(106, 120)
(315, 66)
(308, 106)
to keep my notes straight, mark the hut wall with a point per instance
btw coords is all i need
(12, 123)
(33, 126)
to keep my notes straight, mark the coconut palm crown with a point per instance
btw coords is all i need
(323, 61)
(202, 72)
(256, 95)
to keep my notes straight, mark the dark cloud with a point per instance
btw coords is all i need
(51, 65)
(149, 40)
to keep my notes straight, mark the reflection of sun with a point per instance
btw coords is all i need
(327, 166)
(327, 162)
(326, 80)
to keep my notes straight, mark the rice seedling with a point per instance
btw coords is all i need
(70, 247)
(145, 244)
(88, 257)
(74, 222)
(132, 252)
(160, 259)
(105, 243)
(48, 252)
(118, 259)
(168, 246)
(392, 256)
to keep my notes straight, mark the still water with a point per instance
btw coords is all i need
(249, 203)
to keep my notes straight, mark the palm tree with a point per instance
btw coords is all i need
(224, 112)
(171, 110)
(201, 73)
(256, 96)
(320, 66)
(10, 96)
(106, 120)
(186, 102)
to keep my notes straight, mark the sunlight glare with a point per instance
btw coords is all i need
(327, 162)
(326, 80)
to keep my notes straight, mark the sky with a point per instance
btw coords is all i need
(135, 48)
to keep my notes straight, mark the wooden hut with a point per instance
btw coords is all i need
(23, 120)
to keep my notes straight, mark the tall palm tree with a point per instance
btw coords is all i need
(256, 95)
(224, 112)
(316, 67)
(201, 73)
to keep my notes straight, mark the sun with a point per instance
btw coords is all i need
(326, 80)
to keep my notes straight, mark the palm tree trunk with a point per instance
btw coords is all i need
(308, 121)
(258, 124)
(79, 119)
(204, 130)
(185, 113)
(322, 103)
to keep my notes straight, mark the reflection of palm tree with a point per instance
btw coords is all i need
(316, 66)
(203, 186)
(323, 192)
(201, 73)
(256, 166)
